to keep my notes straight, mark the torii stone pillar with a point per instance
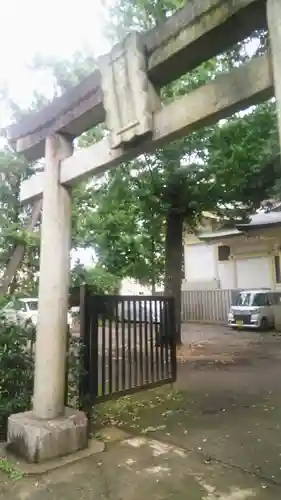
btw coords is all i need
(274, 29)
(51, 430)
(54, 284)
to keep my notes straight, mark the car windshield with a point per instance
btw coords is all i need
(252, 299)
(32, 305)
(263, 299)
(244, 299)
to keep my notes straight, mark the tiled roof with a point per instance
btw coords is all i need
(262, 219)
(257, 220)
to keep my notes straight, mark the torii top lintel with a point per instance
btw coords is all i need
(199, 31)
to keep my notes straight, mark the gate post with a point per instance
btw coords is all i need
(51, 430)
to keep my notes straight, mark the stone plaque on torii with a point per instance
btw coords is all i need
(124, 93)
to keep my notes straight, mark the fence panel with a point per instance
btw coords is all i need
(210, 306)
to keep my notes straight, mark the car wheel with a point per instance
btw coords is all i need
(264, 325)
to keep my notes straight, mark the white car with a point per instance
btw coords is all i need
(24, 311)
(255, 309)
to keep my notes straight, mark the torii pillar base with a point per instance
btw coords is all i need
(36, 440)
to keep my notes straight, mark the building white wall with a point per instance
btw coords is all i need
(132, 287)
(199, 262)
(213, 284)
(254, 272)
(227, 274)
(204, 272)
(200, 267)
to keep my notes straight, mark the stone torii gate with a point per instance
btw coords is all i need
(125, 94)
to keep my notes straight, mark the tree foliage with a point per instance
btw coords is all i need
(16, 371)
(98, 278)
(241, 156)
(13, 170)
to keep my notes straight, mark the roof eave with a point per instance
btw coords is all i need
(252, 227)
(218, 237)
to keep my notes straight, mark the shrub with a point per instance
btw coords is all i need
(75, 372)
(16, 370)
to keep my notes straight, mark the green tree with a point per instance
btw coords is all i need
(127, 242)
(13, 170)
(98, 278)
(242, 156)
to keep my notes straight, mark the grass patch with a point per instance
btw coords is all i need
(13, 473)
(143, 412)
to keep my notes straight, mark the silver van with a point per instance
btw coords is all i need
(254, 309)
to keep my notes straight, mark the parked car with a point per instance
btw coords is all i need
(254, 309)
(24, 311)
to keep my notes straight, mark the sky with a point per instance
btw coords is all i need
(29, 27)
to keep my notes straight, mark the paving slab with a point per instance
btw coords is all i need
(139, 468)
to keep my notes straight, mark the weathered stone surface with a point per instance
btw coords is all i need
(94, 447)
(274, 31)
(39, 440)
(219, 98)
(197, 32)
(125, 88)
(49, 377)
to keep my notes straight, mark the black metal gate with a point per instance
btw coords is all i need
(128, 344)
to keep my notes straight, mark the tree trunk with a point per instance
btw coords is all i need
(17, 256)
(153, 281)
(173, 265)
